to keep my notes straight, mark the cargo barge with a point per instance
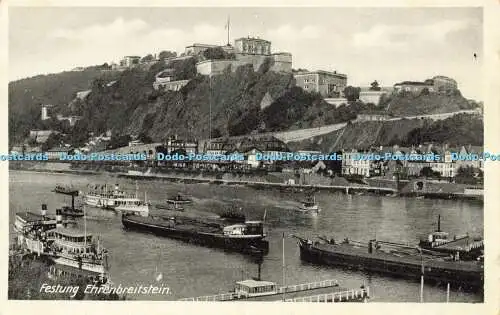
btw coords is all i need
(463, 247)
(247, 237)
(467, 275)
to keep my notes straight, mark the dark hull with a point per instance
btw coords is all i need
(441, 273)
(72, 214)
(179, 202)
(254, 245)
(169, 207)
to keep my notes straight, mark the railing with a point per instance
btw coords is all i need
(217, 297)
(344, 296)
(286, 289)
(308, 286)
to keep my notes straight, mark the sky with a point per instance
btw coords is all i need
(384, 44)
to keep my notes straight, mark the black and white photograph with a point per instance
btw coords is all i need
(247, 154)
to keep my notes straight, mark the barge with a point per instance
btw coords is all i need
(463, 247)
(247, 237)
(370, 257)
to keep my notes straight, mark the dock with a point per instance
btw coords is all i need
(320, 291)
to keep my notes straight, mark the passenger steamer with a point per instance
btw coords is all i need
(64, 245)
(105, 197)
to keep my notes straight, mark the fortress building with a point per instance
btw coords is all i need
(246, 50)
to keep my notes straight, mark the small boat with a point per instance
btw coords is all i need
(66, 190)
(175, 206)
(310, 205)
(180, 199)
(72, 212)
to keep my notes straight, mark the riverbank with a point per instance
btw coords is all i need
(420, 188)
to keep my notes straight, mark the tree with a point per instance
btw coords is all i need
(167, 54)
(374, 86)
(215, 53)
(144, 138)
(429, 172)
(147, 58)
(425, 91)
(351, 93)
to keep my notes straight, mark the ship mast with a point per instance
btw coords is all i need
(85, 225)
(284, 284)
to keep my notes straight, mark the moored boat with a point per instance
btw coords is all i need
(170, 206)
(244, 237)
(64, 245)
(102, 196)
(370, 257)
(66, 190)
(72, 212)
(309, 205)
(180, 199)
(462, 247)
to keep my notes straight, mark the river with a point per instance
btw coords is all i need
(189, 271)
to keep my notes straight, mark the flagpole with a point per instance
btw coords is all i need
(228, 25)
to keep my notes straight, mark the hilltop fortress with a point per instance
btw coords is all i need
(246, 50)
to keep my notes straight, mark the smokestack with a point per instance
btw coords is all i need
(58, 218)
(44, 210)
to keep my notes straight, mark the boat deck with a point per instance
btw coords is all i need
(416, 260)
(462, 244)
(186, 224)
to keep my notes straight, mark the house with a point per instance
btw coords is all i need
(174, 144)
(328, 84)
(373, 117)
(57, 152)
(166, 80)
(197, 49)
(354, 164)
(130, 61)
(251, 157)
(435, 85)
(41, 136)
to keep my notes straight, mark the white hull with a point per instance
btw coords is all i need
(142, 210)
(99, 202)
(87, 266)
(314, 208)
(33, 246)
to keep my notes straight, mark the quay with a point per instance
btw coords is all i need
(320, 291)
(257, 184)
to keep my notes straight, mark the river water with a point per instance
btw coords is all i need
(189, 271)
